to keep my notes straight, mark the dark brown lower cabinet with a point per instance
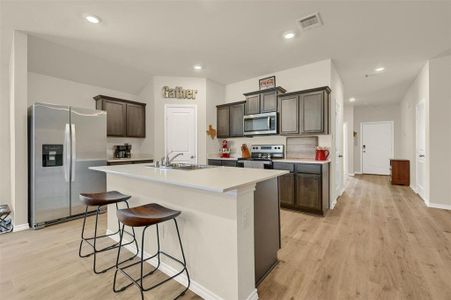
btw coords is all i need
(223, 162)
(308, 192)
(306, 188)
(286, 190)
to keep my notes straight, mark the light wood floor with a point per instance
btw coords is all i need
(380, 242)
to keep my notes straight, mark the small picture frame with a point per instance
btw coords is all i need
(267, 83)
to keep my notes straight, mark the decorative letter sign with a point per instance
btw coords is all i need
(179, 93)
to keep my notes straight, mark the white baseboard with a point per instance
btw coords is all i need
(358, 173)
(195, 287)
(253, 295)
(21, 227)
(438, 205)
(332, 204)
(414, 189)
(351, 174)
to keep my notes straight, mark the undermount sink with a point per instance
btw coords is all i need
(179, 166)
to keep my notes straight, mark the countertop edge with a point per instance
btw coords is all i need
(193, 186)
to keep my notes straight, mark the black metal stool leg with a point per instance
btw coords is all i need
(117, 262)
(95, 251)
(83, 235)
(139, 282)
(95, 241)
(184, 260)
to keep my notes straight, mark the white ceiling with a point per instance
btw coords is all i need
(236, 40)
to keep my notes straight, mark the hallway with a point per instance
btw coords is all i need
(380, 242)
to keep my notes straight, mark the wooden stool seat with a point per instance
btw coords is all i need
(146, 215)
(4, 210)
(97, 199)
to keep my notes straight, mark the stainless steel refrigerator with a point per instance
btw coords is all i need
(63, 142)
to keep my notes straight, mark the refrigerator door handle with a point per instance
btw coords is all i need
(74, 151)
(66, 153)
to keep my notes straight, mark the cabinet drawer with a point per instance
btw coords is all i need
(283, 166)
(229, 163)
(214, 162)
(308, 168)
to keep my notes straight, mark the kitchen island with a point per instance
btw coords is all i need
(229, 222)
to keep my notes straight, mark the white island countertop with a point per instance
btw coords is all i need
(213, 179)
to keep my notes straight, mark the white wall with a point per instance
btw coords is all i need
(374, 113)
(215, 96)
(295, 79)
(18, 129)
(335, 139)
(440, 131)
(43, 88)
(417, 92)
(198, 84)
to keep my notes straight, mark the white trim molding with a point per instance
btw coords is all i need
(439, 205)
(195, 287)
(21, 227)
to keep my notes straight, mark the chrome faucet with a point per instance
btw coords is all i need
(166, 161)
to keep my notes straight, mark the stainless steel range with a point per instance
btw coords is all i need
(262, 156)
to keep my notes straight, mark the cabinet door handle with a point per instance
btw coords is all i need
(421, 155)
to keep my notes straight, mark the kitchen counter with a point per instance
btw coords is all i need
(302, 161)
(135, 157)
(213, 179)
(229, 223)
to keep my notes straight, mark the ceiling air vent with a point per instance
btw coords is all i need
(310, 21)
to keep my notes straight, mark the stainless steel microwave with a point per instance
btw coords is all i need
(260, 124)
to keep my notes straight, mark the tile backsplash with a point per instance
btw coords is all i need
(301, 147)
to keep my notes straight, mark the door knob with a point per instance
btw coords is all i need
(192, 156)
(421, 155)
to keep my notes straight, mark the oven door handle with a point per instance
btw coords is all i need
(269, 123)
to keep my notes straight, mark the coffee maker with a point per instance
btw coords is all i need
(123, 151)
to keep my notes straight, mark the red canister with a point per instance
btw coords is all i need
(321, 154)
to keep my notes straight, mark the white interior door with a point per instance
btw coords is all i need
(181, 132)
(420, 149)
(377, 147)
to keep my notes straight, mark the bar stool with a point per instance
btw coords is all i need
(146, 216)
(99, 200)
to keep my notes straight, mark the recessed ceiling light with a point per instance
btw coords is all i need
(289, 35)
(379, 69)
(197, 67)
(352, 99)
(92, 19)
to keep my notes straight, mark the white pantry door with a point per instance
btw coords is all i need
(420, 150)
(377, 147)
(181, 132)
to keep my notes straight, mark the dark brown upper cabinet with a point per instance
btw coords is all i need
(289, 118)
(252, 106)
(223, 121)
(262, 101)
(312, 112)
(230, 119)
(236, 119)
(305, 112)
(136, 120)
(125, 118)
